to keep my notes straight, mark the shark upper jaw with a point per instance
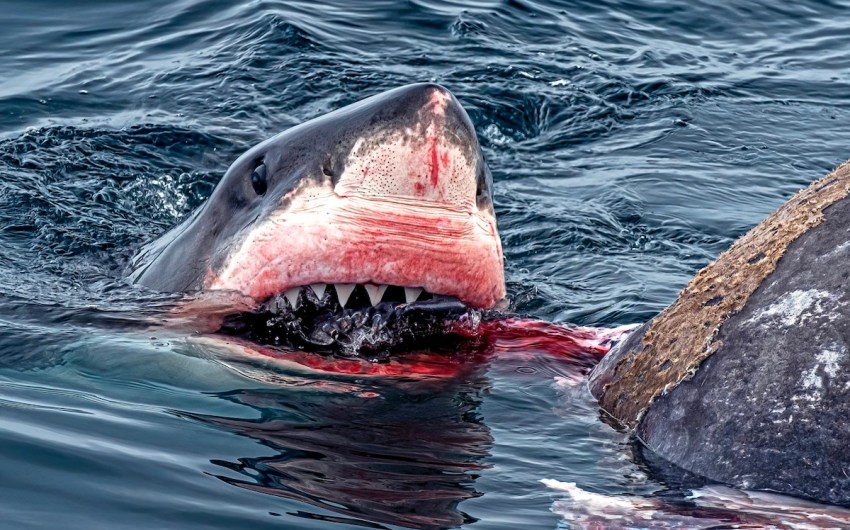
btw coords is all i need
(394, 247)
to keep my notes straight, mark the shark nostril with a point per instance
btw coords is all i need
(327, 170)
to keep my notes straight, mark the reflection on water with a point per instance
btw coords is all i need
(397, 442)
(401, 455)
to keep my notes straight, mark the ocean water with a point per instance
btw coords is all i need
(630, 142)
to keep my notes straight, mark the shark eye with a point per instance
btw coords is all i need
(258, 179)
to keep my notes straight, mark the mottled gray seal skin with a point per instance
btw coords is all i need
(766, 403)
(771, 408)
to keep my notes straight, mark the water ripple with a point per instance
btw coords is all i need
(630, 142)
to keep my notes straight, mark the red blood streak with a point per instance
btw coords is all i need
(408, 365)
(527, 339)
(435, 164)
(510, 338)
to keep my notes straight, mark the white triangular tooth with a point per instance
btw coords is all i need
(411, 294)
(319, 289)
(343, 292)
(375, 292)
(292, 296)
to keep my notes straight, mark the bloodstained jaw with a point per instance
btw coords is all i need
(322, 237)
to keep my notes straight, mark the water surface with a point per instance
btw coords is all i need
(630, 142)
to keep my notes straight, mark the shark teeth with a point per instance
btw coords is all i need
(346, 292)
(375, 292)
(343, 292)
(411, 294)
(319, 289)
(292, 296)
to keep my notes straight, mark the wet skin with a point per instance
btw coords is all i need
(745, 378)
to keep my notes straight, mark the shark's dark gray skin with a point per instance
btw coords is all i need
(745, 379)
(390, 191)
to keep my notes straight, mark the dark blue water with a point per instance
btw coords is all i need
(630, 143)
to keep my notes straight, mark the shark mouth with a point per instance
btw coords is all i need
(393, 245)
(362, 276)
(358, 274)
(357, 320)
